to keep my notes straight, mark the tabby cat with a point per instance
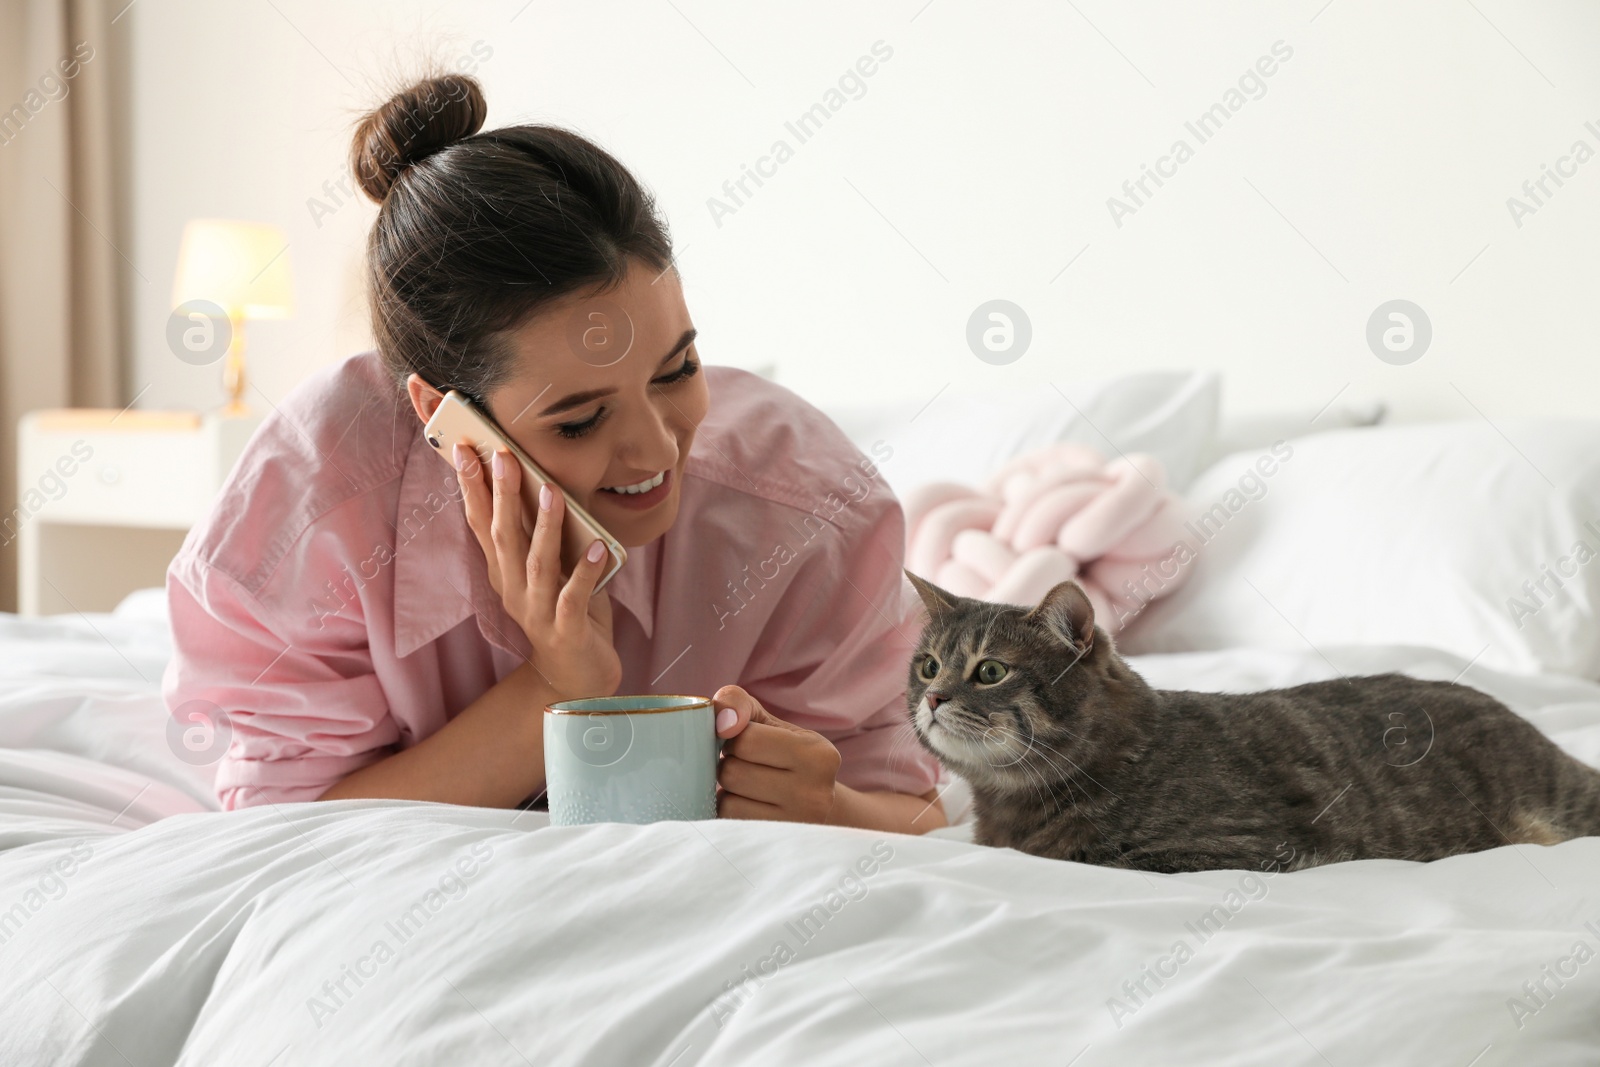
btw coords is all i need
(1072, 755)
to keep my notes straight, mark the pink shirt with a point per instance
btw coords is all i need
(336, 606)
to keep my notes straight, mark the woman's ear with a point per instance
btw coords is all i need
(425, 399)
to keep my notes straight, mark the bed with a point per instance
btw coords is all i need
(141, 926)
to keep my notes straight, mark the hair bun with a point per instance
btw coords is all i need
(412, 125)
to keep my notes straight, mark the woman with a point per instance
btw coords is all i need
(373, 622)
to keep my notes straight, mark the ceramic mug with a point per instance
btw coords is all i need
(633, 759)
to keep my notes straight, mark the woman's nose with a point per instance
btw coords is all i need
(657, 442)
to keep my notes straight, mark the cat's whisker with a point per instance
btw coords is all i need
(1079, 769)
(1034, 738)
(1072, 793)
(1064, 777)
(904, 738)
(1045, 753)
(1021, 762)
(1043, 750)
(1040, 786)
(994, 727)
(1047, 792)
(1072, 787)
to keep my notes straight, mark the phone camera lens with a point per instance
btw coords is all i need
(434, 441)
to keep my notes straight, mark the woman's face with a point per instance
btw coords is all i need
(608, 392)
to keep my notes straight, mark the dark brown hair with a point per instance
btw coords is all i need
(477, 231)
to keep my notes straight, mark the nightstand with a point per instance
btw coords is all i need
(104, 499)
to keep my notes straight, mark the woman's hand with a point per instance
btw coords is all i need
(771, 769)
(567, 623)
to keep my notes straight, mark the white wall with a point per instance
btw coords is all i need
(977, 165)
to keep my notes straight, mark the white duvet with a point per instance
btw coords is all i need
(139, 928)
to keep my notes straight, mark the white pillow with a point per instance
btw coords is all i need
(965, 436)
(1258, 430)
(1419, 534)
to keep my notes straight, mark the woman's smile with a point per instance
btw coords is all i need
(659, 488)
(638, 487)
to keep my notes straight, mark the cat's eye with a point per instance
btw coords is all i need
(990, 671)
(930, 668)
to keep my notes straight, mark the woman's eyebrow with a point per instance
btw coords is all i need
(577, 400)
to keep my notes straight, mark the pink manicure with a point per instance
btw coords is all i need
(499, 465)
(726, 718)
(544, 498)
(460, 454)
(596, 550)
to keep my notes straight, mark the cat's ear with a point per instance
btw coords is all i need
(1066, 611)
(936, 599)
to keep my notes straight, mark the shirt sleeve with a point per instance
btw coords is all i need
(302, 705)
(835, 655)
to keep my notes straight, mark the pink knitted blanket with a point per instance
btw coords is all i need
(1060, 512)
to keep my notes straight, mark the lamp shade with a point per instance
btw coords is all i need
(243, 267)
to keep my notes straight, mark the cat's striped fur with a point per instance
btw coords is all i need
(1072, 755)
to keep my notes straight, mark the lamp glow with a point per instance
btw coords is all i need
(243, 268)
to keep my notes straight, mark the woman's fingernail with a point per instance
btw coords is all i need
(499, 465)
(460, 455)
(726, 718)
(544, 498)
(596, 550)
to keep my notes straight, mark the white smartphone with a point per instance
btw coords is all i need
(459, 420)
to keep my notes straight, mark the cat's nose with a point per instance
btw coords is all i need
(934, 698)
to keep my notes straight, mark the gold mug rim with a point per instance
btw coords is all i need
(699, 701)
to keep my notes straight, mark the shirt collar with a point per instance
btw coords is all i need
(634, 586)
(441, 577)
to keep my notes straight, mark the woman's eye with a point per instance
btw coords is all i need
(930, 668)
(991, 671)
(689, 369)
(577, 429)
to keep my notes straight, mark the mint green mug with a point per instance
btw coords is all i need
(633, 759)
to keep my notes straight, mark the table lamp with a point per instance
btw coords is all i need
(242, 268)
